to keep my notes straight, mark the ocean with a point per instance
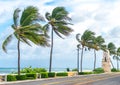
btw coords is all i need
(11, 70)
(7, 70)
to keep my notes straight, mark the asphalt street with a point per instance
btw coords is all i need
(99, 79)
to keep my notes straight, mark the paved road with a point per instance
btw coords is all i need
(101, 79)
(110, 81)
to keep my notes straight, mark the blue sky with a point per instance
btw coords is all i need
(100, 16)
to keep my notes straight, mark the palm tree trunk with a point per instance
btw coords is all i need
(51, 51)
(81, 59)
(78, 60)
(117, 65)
(94, 60)
(18, 46)
(111, 63)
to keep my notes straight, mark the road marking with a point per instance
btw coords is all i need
(101, 77)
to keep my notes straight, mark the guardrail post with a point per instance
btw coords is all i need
(5, 78)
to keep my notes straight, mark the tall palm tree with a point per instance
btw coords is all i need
(78, 48)
(98, 44)
(58, 21)
(85, 41)
(26, 29)
(112, 49)
(117, 57)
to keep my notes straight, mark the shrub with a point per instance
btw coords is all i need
(98, 70)
(75, 69)
(21, 77)
(38, 70)
(33, 70)
(114, 70)
(31, 75)
(51, 74)
(85, 73)
(27, 70)
(62, 74)
(81, 73)
(44, 75)
(11, 78)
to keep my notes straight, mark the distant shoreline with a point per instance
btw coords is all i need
(10, 70)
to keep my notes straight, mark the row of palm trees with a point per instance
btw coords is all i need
(115, 52)
(28, 28)
(88, 41)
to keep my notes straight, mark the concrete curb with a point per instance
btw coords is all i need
(13, 82)
(33, 80)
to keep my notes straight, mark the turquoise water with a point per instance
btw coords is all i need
(10, 70)
(7, 70)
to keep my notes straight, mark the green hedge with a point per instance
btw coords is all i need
(114, 70)
(85, 73)
(11, 78)
(98, 70)
(51, 74)
(44, 75)
(62, 74)
(21, 77)
(31, 76)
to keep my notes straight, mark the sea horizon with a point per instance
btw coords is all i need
(7, 70)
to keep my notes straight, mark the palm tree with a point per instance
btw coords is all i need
(117, 57)
(85, 41)
(98, 44)
(58, 21)
(78, 48)
(112, 49)
(26, 28)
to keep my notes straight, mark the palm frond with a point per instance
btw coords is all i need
(16, 35)
(55, 30)
(43, 41)
(97, 43)
(47, 15)
(33, 27)
(25, 41)
(78, 37)
(38, 39)
(60, 13)
(111, 48)
(100, 40)
(103, 47)
(118, 50)
(45, 30)
(31, 36)
(14, 27)
(16, 17)
(63, 23)
(87, 35)
(65, 30)
(5, 43)
(30, 15)
(79, 46)
(46, 27)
